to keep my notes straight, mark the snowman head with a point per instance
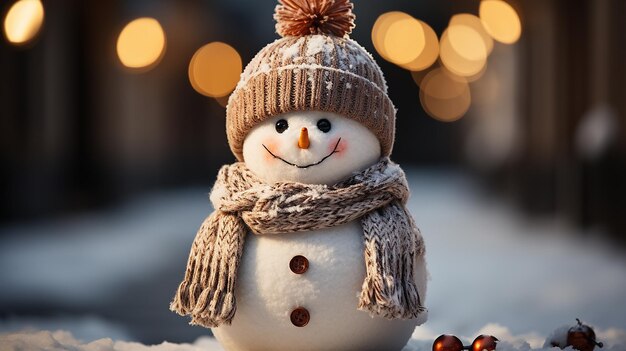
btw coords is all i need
(309, 147)
(311, 107)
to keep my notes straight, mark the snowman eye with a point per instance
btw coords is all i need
(281, 125)
(323, 125)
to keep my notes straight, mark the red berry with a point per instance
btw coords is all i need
(582, 337)
(484, 342)
(447, 343)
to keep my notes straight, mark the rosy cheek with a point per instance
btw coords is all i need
(272, 145)
(337, 145)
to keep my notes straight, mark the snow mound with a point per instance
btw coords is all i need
(558, 336)
(613, 339)
(422, 339)
(64, 341)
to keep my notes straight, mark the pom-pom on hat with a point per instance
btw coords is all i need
(315, 66)
(302, 17)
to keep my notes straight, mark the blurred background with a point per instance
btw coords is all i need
(511, 126)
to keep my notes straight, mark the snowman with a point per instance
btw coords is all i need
(310, 246)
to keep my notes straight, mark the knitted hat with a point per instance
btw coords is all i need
(315, 66)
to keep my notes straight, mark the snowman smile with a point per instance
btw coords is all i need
(304, 166)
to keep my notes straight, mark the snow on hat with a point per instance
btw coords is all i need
(315, 66)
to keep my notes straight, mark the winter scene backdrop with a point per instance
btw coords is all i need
(108, 156)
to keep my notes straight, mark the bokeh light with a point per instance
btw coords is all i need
(429, 55)
(467, 42)
(214, 69)
(463, 51)
(474, 77)
(404, 40)
(444, 96)
(23, 21)
(141, 44)
(469, 20)
(398, 37)
(500, 21)
(380, 28)
(418, 76)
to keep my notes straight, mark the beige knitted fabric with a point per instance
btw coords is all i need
(311, 73)
(376, 196)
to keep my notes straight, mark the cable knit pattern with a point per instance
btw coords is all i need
(376, 195)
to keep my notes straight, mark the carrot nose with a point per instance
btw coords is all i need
(303, 141)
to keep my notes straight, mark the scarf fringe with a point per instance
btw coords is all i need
(389, 289)
(207, 291)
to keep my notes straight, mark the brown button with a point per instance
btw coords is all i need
(300, 317)
(299, 264)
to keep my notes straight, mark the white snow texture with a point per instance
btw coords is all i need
(63, 340)
(614, 340)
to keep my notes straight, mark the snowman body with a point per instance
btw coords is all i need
(274, 286)
(269, 291)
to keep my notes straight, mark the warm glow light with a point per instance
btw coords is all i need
(380, 28)
(23, 21)
(462, 51)
(430, 53)
(418, 76)
(404, 40)
(469, 20)
(444, 97)
(500, 21)
(214, 69)
(473, 77)
(141, 43)
(467, 43)
(398, 37)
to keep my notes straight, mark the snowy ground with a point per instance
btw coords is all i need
(62, 340)
(110, 274)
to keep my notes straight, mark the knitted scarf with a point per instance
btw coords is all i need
(242, 202)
